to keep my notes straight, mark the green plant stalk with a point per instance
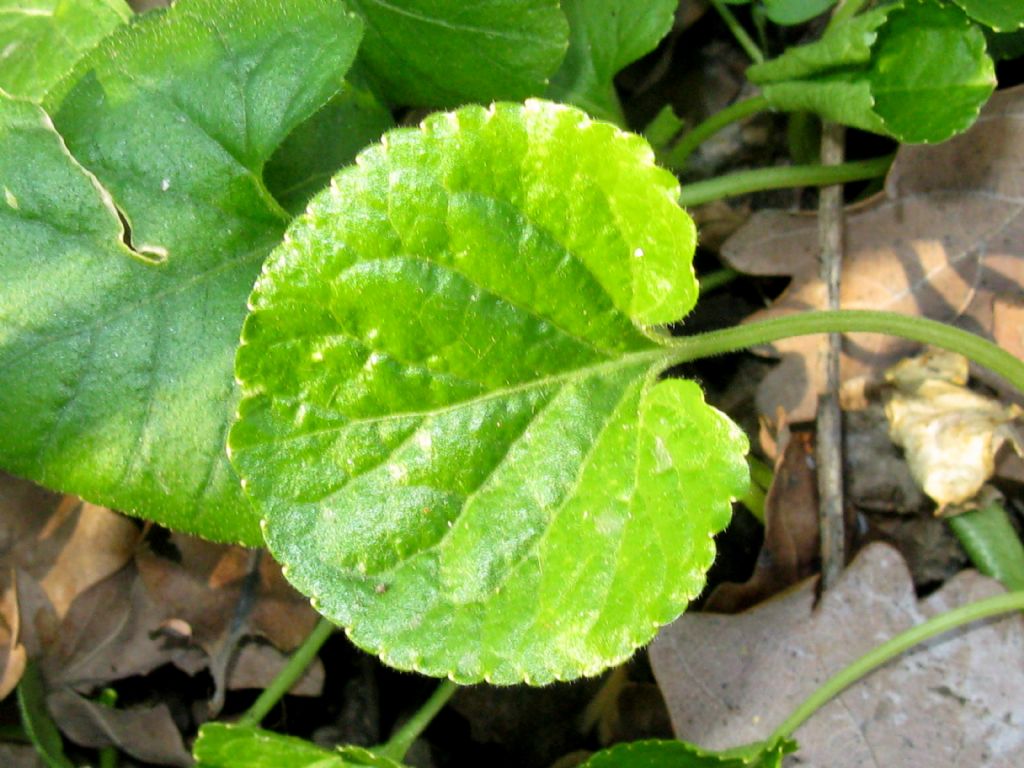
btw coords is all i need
(712, 281)
(981, 609)
(399, 743)
(992, 543)
(845, 10)
(782, 177)
(754, 500)
(760, 472)
(736, 338)
(701, 132)
(738, 31)
(288, 676)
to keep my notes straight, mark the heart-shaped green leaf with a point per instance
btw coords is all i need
(438, 53)
(116, 359)
(452, 422)
(40, 40)
(998, 15)
(604, 37)
(681, 754)
(233, 746)
(915, 70)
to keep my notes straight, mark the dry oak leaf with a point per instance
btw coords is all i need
(954, 701)
(945, 241)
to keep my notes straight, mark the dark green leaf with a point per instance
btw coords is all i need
(40, 40)
(116, 360)
(917, 71)
(452, 422)
(605, 36)
(326, 142)
(680, 754)
(438, 53)
(795, 11)
(231, 746)
(998, 15)
(1003, 46)
(36, 719)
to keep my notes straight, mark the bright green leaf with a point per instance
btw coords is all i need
(40, 40)
(326, 142)
(680, 754)
(438, 53)
(999, 15)
(605, 36)
(117, 364)
(37, 721)
(917, 71)
(930, 73)
(787, 12)
(231, 746)
(451, 420)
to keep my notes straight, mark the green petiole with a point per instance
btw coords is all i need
(703, 131)
(399, 743)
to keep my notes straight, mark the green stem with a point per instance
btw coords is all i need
(760, 473)
(735, 338)
(754, 500)
(982, 609)
(844, 11)
(712, 281)
(989, 538)
(399, 743)
(704, 131)
(288, 676)
(738, 31)
(782, 177)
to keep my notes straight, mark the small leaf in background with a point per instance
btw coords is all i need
(789, 12)
(679, 754)
(917, 71)
(999, 15)
(435, 53)
(605, 36)
(40, 40)
(116, 344)
(464, 456)
(950, 434)
(949, 703)
(230, 746)
(323, 144)
(944, 242)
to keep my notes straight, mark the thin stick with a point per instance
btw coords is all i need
(829, 439)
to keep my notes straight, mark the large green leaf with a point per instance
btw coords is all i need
(680, 754)
(915, 70)
(40, 40)
(116, 360)
(605, 36)
(999, 15)
(452, 422)
(438, 53)
(788, 12)
(232, 746)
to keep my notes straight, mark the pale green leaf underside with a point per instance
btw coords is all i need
(451, 421)
(117, 365)
(40, 40)
(438, 53)
(221, 745)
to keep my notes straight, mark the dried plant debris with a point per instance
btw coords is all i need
(944, 242)
(949, 703)
(950, 434)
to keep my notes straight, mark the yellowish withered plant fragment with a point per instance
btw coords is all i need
(949, 433)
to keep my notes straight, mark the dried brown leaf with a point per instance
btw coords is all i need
(952, 702)
(791, 539)
(946, 241)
